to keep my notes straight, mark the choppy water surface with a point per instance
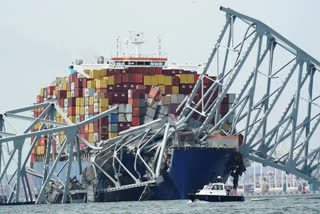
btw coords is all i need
(286, 204)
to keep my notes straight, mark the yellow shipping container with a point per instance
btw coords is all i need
(190, 78)
(168, 80)
(94, 74)
(91, 84)
(41, 92)
(101, 83)
(82, 110)
(154, 80)
(147, 80)
(112, 135)
(61, 138)
(103, 73)
(91, 101)
(56, 89)
(175, 89)
(102, 109)
(103, 103)
(161, 79)
(39, 150)
(77, 109)
(72, 118)
(111, 80)
(68, 94)
(63, 80)
(78, 101)
(64, 86)
(91, 127)
(82, 101)
(91, 138)
(162, 88)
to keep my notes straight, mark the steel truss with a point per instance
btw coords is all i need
(278, 83)
(245, 59)
(15, 142)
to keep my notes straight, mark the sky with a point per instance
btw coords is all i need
(39, 39)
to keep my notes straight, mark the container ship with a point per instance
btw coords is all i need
(144, 89)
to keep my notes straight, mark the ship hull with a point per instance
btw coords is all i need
(190, 169)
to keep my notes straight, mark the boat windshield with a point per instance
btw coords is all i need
(217, 187)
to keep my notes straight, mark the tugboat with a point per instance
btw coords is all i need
(215, 192)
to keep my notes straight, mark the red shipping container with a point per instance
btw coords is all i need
(39, 99)
(139, 94)
(138, 78)
(132, 86)
(110, 88)
(60, 102)
(84, 83)
(78, 92)
(158, 70)
(102, 90)
(68, 86)
(117, 79)
(73, 77)
(175, 81)
(72, 101)
(32, 157)
(168, 89)
(81, 118)
(136, 112)
(86, 129)
(104, 137)
(91, 109)
(136, 103)
(78, 83)
(124, 78)
(135, 121)
(130, 101)
(50, 90)
(61, 94)
(71, 110)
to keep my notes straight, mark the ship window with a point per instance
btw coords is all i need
(126, 63)
(140, 63)
(133, 63)
(147, 63)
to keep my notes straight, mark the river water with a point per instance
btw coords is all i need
(268, 204)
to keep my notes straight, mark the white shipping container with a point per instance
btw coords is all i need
(174, 99)
(86, 101)
(65, 110)
(86, 117)
(77, 118)
(67, 79)
(60, 87)
(180, 98)
(130, 94)
(128, 117)
(95, 137)
(151, 112)
(72, 93)
(65, 102)
(121, 108)
(89, 92)
(86, 110)
(121, 117)
(166, 100)
(128, 108)
(96, 107)
(148, 119)
(72, 86)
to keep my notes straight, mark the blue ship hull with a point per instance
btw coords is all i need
(190, 169)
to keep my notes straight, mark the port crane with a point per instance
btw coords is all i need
(276, 107)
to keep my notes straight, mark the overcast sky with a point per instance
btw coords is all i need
(39, 39)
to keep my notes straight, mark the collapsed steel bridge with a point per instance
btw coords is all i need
(276, 108)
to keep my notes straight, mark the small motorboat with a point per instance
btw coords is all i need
(215, 192)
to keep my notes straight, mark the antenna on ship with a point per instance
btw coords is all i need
(118, 46)
(159, 46)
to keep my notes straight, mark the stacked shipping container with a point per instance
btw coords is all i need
(141, 93)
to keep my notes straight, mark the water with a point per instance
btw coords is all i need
(282, 204)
